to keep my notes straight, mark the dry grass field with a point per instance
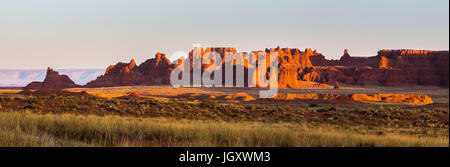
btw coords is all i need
(27, 129)
(166, 116)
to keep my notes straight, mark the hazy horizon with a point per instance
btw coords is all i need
(88, 34)
(22, 77)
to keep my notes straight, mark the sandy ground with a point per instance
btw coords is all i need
(9, 91)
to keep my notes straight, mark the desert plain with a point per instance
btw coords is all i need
(167, 116)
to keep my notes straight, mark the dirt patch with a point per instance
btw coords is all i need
(417, 99)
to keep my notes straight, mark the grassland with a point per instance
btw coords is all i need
(29, 129)
(162, 118)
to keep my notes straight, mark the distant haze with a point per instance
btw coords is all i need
(79, 34)
(19, 78)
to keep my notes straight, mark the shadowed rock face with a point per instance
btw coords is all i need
(155, 71)
(53, 80)
(388, 68)
(418, 67)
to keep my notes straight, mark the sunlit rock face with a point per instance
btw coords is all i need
(387, 68)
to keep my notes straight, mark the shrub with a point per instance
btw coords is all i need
(209, 104)
(53, 96)
(380, 132)
(75, 107)
(332, 109)
(251, 107)
(31, 106)
(313, 105)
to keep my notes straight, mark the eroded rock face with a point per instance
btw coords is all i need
(387, 68)
(53, 80)
(155, 71)
(291, 63)
(419, 67)
(415, 99)
(337, 86)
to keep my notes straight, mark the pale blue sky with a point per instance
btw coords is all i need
(96, 33)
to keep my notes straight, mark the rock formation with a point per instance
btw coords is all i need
(337, 86)
(291, 63)
(388, 68)
(53, 80)
(296, 68)
(155, 71)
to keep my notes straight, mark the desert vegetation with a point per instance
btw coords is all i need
(85, 120)
(432, 115)
(29, 129)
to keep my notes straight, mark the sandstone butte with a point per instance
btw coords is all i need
(53, 80)
(296, 68)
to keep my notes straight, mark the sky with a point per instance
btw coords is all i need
(80, 34)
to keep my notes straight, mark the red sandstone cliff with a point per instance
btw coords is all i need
(53, 80)
(388, 68)
(291, 63)
(155, 71)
